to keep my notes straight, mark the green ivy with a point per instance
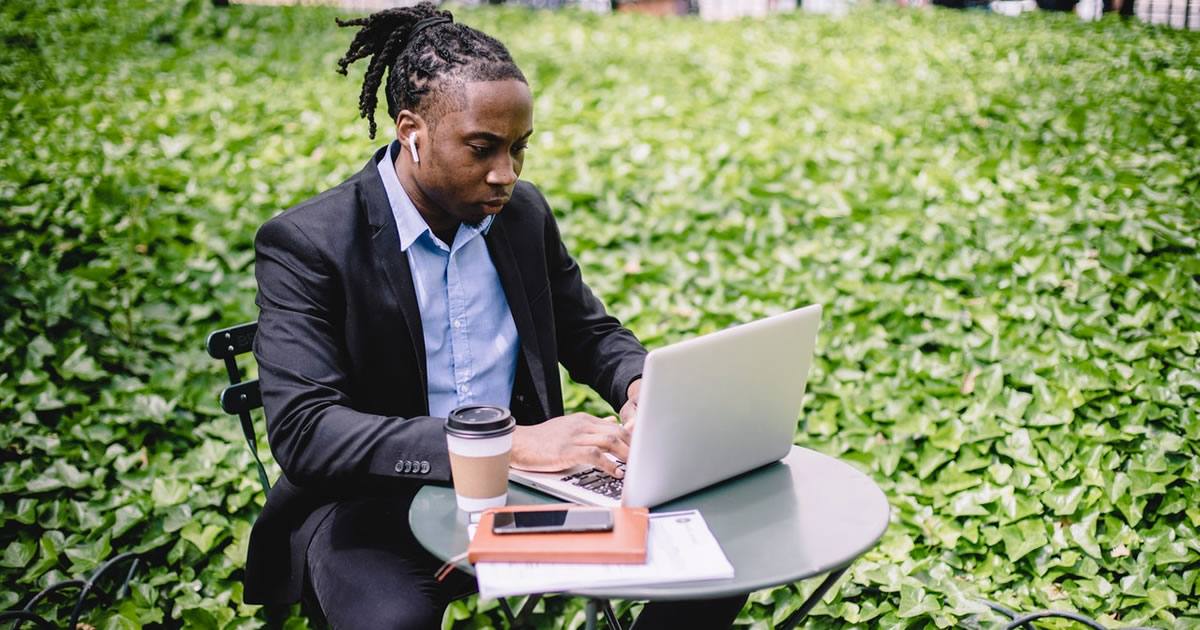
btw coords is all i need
(1000, 216)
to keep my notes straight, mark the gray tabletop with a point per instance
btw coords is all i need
(801, 517)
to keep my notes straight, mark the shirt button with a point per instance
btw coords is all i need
(458, 323)
(464, 388)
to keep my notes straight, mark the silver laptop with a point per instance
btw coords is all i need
(711, 408)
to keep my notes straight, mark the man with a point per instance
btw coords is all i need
(431, 279)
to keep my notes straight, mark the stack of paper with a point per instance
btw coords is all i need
(679, 548)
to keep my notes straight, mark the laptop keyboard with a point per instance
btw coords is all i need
(597, 481)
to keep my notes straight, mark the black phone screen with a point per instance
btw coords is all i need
(566, 520)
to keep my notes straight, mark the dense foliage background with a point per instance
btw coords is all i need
(1000, 216)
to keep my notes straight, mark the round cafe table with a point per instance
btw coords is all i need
(807, 515)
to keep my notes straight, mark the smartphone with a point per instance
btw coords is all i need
(574, 519)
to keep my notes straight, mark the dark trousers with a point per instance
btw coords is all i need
(366, 570)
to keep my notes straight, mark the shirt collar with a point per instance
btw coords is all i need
(409, 222)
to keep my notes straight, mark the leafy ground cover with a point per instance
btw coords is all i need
(1000, 216)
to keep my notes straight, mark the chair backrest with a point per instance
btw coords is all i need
(241, 397)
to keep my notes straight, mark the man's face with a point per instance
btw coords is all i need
(473, 157)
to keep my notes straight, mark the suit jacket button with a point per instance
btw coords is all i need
(424, 467)
(399, 467)
(408, 466)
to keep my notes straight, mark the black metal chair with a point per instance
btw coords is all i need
(93, 586)
(241, 397)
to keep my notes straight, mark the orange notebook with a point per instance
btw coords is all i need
(626, 543)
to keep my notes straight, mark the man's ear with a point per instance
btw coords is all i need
(408, 123)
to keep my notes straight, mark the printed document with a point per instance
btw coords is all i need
(679, 548)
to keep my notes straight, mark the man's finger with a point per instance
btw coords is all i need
(614, 440)
(628, 415)
(608, 426)
(613, 469)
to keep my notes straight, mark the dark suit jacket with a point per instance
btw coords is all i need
(342, 360)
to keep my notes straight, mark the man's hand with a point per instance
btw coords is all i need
(565, 441)
(629, 409)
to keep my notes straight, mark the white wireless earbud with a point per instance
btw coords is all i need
(412, 147)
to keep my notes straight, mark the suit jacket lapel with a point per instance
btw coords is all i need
(386, 244)
(518, 303)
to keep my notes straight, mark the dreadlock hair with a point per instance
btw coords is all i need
(440, 55)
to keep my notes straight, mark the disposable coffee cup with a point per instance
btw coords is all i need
(479, 438)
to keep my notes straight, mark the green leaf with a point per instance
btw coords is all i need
(49, 547)
(1023, 537)
(1175, 552)
(1143, 483)
(121, 622)
(1019, 447)
(89, 555)
(202, 536)
(125, 518)
(897, 547)
(915, 602)
(1084, 534)
(81, 366)
(26, 511)
(167, 492)
(18, 553)
(931, 459)
(951, 479)
(200, 618)
(1064, 500)
(1017, 505)
(177, 516)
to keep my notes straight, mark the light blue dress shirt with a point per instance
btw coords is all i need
(470, 338)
